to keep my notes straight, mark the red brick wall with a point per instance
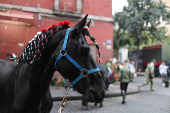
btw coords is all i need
(93, 7)
(101, 30)
(46, 4)
(97, 7)
(68, 5)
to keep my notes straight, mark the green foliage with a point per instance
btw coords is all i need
(141, 19)
(121, 37)
(144, 16)
(121, 40)
(120, 19)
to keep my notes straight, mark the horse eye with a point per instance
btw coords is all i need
(82, 43)
(83, 51)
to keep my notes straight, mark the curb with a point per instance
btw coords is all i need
(119, 94)
(70, 98)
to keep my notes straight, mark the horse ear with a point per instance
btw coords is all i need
(89, 23)
(7, 54)
(78, 27)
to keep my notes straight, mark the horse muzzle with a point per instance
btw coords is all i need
(98, 96)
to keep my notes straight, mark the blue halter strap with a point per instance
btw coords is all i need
(63, 53)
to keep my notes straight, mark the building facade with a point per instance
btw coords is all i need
(20, 20)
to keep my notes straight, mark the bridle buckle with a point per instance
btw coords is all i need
(84, 73)
(63, 52)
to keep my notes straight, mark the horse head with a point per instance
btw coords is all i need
(79, 50)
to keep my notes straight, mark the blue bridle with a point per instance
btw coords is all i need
(63, 53)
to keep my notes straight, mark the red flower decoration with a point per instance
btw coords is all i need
(66, 23)
(54, 25)
(61, 23)
(50, 27)
(44, 29)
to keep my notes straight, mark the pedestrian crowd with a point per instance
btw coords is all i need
(125, 72)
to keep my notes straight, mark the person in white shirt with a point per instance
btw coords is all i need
(163, 72)
(132, 69)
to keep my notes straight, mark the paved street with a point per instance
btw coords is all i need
(143, 102)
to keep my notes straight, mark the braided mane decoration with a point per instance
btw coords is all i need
(36, 46)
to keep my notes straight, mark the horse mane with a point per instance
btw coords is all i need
(36, 46)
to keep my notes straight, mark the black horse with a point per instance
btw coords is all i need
(24, 88)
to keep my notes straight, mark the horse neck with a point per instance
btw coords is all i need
(42, 70)
(33, 81)
(35, 78)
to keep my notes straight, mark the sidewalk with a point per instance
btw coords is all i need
(145, 101)
(114, 91)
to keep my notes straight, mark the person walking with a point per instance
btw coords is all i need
(163, 72)
(149, 75)
(168, 74)
(109, 65)
(132, 68)
(169, 64)
(116, 69)
(124, 79)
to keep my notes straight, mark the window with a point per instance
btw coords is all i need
(68, 5)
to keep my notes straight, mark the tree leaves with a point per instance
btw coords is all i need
(141, 17)
(140, 21)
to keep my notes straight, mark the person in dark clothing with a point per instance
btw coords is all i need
(149, 75)
(124, 78)
(169, 64)
(168, 68)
